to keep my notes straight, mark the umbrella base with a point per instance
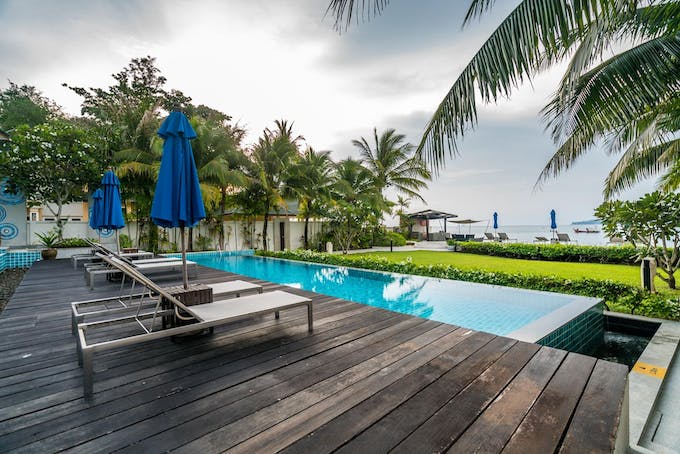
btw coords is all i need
(195, 294)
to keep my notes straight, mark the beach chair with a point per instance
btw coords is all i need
(490, 236)
(564, 238)
(502, 236)
(541, 239)
(160, 265)
(149, 323)
(132, 301)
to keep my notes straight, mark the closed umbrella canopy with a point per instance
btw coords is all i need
(177, 201)
(96, 212)
(553, 222)
(495, 220)
(112, 207)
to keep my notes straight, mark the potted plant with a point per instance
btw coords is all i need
(50, 240)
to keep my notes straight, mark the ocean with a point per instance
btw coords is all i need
(528, 233)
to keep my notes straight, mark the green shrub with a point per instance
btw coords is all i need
(73, 242)
(626, 255)
(125, 241)
(396, 238)
(617, 296)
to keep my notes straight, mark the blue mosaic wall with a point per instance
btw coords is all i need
(581, 335)
(17, 259)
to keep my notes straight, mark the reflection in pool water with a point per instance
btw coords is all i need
(494, 309)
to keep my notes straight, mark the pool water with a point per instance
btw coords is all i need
(621, 348)
(494, 309)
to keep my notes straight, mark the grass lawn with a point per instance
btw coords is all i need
(620, 273)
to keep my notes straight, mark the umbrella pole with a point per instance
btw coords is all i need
(185, 277)
(117, 242)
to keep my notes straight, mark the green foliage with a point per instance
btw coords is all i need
(653, 221)
(24, 105)
(385, 238)
(73, 242)
(51, 163)
(618, 296)
(49, 239)
(125, 241)
(203, 243)
(554, 252)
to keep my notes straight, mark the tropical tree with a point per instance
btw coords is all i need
(52, 163)
(629, 100)
(126, 117)
(25, 105)
(218, 159)
(271, 160)
(355, 205)
(653, 222)
(405, 222)
(393, 164)
(310, 180)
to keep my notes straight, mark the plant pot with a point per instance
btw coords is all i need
(48, 254)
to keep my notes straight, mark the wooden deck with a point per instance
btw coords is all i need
(367, 380)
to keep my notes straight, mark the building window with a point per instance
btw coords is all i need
(34, 216)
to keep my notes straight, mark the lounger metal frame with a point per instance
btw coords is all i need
(147, 320)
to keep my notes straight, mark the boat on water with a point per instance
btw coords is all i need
(586, 230)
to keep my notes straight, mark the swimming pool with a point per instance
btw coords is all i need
(523, 314)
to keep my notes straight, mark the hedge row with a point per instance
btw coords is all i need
(625, 255)
(618, 296)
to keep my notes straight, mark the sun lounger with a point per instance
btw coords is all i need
(85, 258)
(206, 315)
(541, 239)
(490, 236)
(564, 238)
(161, 266)
(504, 237)
(136, 301)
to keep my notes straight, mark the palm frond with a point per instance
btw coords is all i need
(343, 11)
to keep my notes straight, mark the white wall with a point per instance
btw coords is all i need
(233, 233)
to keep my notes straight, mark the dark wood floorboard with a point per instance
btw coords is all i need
(366, 380)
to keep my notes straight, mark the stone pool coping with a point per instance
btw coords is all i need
(645, 385)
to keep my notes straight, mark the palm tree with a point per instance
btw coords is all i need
(393, 164)
(310, 180)
(271, 160)
(355, 204)
(405, 223)
(218, 159)
(629, 100)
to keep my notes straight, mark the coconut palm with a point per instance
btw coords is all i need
(393, 164)
(218, 156)
(355, 203)
(629, 100)
(270, 161)
(310, 180)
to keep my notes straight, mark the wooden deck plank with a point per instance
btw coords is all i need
(543, 427)
(511, 405)
(196, 381)
(597, 416)
(366, 380)
(393, 428)
(340, 430)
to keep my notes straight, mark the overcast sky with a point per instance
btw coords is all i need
(262, 60)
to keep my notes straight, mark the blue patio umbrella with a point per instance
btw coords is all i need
(553, 222)
(96, 211)
(112, 207)
(177, 201)
(495, 221)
